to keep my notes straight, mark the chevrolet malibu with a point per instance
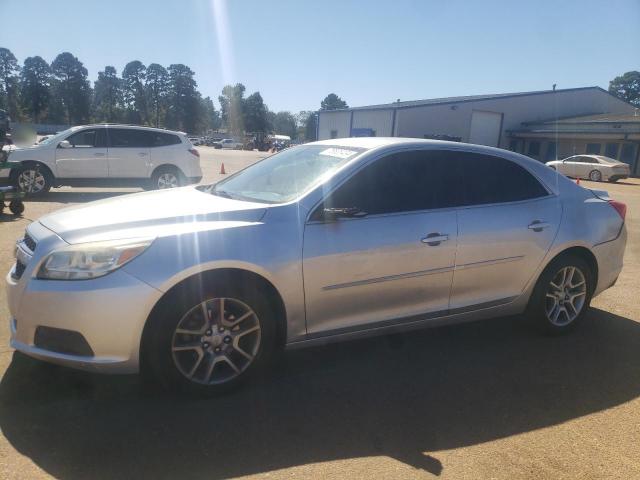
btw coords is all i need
(331, 240)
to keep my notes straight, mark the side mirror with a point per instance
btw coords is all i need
(65, 144)
(332, 214)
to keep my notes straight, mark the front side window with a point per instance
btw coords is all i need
(402, 182)
(89, 138)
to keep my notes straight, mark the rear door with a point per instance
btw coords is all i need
(87, 157)
(506, 224)
(129, 153)
(393, 262)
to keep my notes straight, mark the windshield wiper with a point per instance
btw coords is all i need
(222, 193)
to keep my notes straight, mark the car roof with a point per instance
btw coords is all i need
(122, 125)
(597, 157)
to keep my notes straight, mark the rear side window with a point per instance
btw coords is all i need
(403, 182)
(161, 139)
(487, 179)
(127, 138)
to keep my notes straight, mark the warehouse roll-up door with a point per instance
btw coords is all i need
(485, 128)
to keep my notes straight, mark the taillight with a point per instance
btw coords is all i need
(195, 152)
(620, 207)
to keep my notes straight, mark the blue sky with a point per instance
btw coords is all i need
(295, 52)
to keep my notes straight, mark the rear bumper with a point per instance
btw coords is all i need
(609, 256)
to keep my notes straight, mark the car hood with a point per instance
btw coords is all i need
(152, 214)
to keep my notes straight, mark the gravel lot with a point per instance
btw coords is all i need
(482, 400)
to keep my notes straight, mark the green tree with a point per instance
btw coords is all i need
(134, 93)
(35, 81)
(210, 118)
(107, 96)
(157, 88)
(231, 108)
(310, 127)
(72, 87)
(9, 70)
(255, 114)
(184, 99)
(627, 87)
(284, 123)
(333, 102)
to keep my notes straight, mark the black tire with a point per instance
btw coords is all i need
(539, 303)
(158, 181)
(16, 207)
(37, 188)
(595, 176)
(161, 333)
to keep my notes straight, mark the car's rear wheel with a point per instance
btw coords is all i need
(166, 177)
(562, 295)
(33, 179)
(595, 176)
(212, 341)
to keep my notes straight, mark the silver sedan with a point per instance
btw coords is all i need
(323, 242)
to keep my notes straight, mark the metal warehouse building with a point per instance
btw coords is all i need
(543, 124)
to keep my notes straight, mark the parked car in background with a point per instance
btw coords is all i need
(229, 143)
(106, 155)
(195, 141)
(323, 242)
(596, 168)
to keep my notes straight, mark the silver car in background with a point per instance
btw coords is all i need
(596, 168)
(327, 241)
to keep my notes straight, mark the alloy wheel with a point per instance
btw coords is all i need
(31, 181)
(595, 176)
(167, 180)
(216, 341)
(566, 295)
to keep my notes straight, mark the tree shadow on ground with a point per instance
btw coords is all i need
(405, 397)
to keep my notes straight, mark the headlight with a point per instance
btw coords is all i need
(90, 260)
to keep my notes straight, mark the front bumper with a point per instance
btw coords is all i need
(109, 312)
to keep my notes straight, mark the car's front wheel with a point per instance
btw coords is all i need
(562, 295)
(33, 179)
(211, 341)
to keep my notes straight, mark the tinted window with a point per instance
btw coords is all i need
(534, 148)
(551, 151)
(611, 150)
(593, 148)
(128, 137)
(160, 139)
(402, 182)
(488, 179)
(88, 138)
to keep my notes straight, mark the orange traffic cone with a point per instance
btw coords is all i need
(222, 172)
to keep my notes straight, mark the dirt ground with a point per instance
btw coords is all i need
(482, 400)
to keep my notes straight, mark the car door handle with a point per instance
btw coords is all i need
(98, 154)
(434, 239)
(538, 226)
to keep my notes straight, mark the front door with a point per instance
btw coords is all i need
(506, 225)
(129, 153)
(391, 258)
(86, 158)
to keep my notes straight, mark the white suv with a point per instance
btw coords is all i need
(106, 155)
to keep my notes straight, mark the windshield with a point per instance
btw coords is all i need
(287, 175)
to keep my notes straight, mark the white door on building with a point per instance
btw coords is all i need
(485, 128)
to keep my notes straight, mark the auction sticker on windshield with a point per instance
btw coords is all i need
(338, 152)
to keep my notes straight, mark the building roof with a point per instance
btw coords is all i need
(594, 119)
(467, 98)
